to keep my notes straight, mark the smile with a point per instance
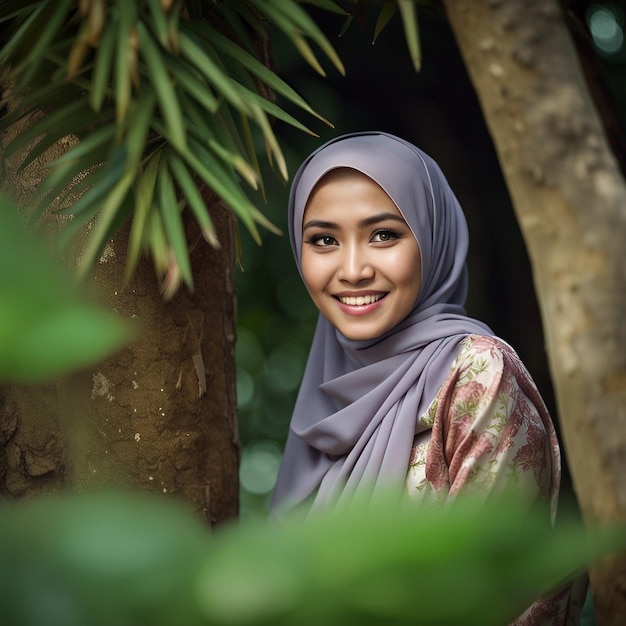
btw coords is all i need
(360, 300)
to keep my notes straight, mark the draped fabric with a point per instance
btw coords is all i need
(357, 411)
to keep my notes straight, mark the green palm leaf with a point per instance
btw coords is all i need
(74, 115)
(170, 212)
(125, 58)
(249, 62)
(139, 79)
(158, 21)
(76, 154)
(100, 81)
(408, 10)
(195, 54)
(33, 37)
(143, 196)
(106, 218)
(388, 10)
(196, 202)
(164, 88)
(192, 82)
(294, 21)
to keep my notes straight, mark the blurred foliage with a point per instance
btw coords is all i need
(128, 559)
(160, 98)
(47, 326)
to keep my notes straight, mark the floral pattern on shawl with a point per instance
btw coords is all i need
(490, 431)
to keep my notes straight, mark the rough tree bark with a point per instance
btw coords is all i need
(161, 414)
(569, 196)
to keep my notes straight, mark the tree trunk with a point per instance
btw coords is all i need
(159, 415)
(569, 197)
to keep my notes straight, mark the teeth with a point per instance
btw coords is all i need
(360, 300)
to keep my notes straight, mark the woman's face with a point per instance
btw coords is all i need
(360, 260)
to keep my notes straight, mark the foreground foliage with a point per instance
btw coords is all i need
(48, 327)
(119, 558)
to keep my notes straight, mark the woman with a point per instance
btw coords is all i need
(402, 390)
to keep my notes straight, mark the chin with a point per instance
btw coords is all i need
(360, 335)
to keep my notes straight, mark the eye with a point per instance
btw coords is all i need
(385, 235)
(322, 241)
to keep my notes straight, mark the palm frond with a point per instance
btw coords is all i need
(408, 11)
(153, 101)
(143, 199)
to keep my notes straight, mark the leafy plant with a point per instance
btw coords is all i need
(160, 99)
(47, 326)
(122, 558)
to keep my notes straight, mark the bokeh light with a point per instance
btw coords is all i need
(606, 26)
(259, 466)
(285, 367)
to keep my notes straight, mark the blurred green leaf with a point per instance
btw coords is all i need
(159, 22)
(100, 560)
(387, 11)
(133, 559)
(328, 5)
(100, 81)
(96, 139)
(73, 111)
(47, 328)
(125, 58)
(408, 11)
(34, 36)
(377, 565)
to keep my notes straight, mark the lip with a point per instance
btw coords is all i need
(362, 292)
(357, 310)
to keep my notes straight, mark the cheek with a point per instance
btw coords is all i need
(408, 270)
(312, 270)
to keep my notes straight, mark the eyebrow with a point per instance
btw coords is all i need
(368, 221)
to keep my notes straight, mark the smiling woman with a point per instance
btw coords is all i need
(360, 260)
(403, 393)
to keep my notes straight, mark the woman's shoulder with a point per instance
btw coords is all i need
(486, 344)
(492, 364)
(485, 367)
(487, 351)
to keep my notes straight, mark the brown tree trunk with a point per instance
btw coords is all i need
(161, 414)
(569, 197)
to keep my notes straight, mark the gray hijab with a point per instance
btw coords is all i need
(357, 411)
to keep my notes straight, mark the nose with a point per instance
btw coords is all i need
(355, 264)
